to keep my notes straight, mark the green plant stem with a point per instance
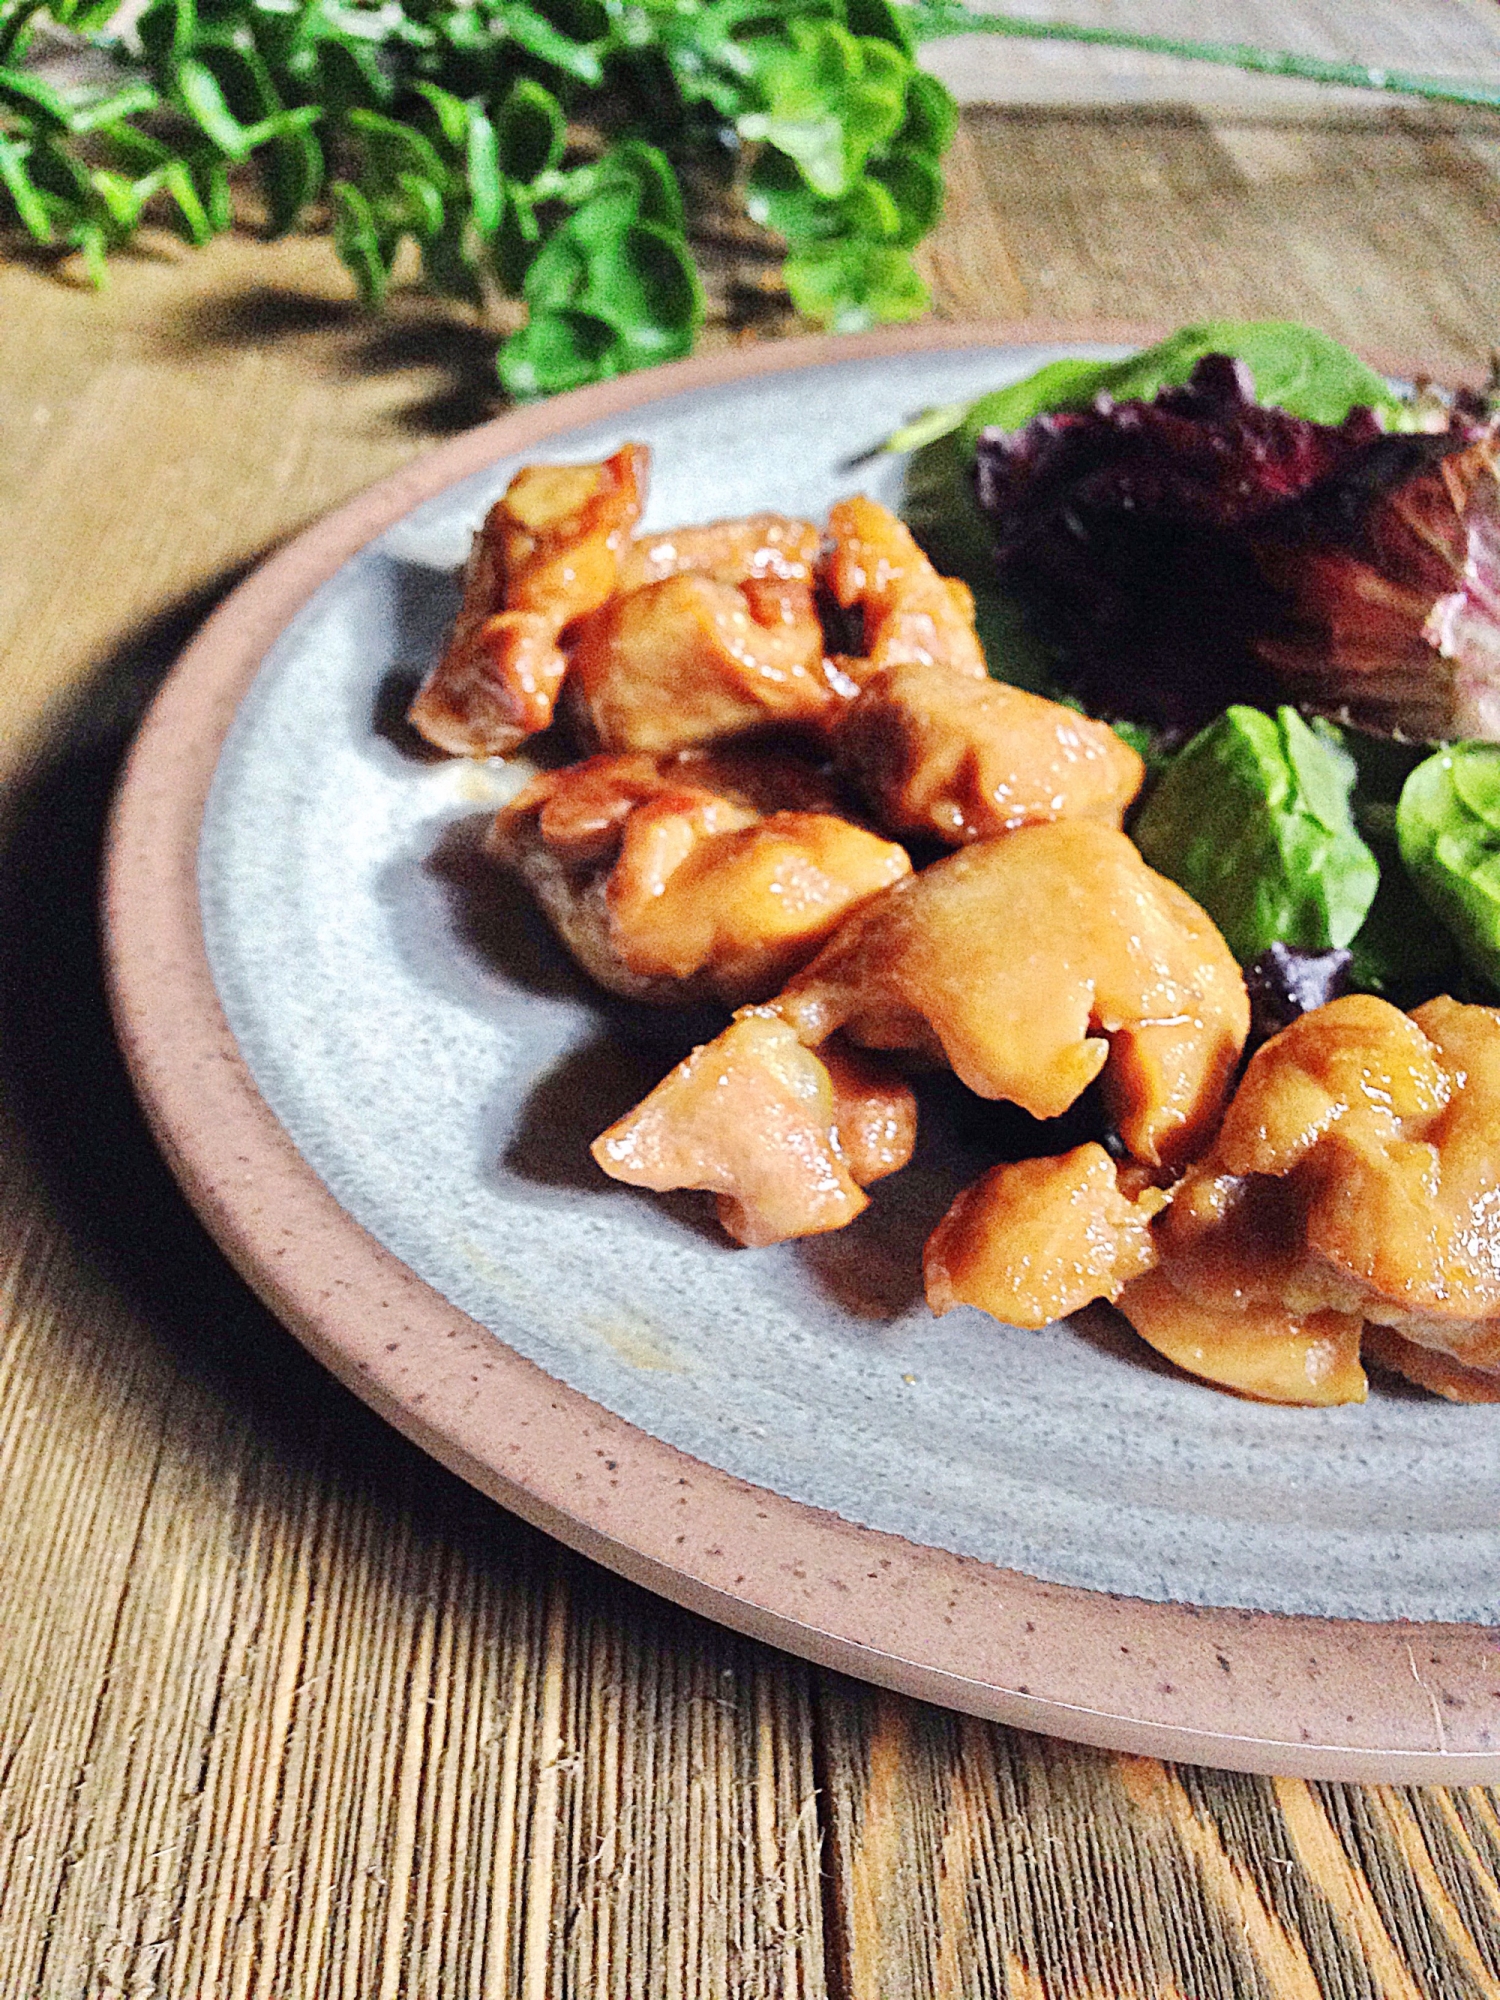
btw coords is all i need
(931, 19)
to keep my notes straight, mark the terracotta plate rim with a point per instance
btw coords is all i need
(1246, 1690)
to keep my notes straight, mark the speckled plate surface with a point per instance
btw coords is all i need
(377, 1078)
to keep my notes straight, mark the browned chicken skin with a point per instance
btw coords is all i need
(783, 1137)
(669, 884)
(911, 615)
(1355, 1169)
(755, 548)
(1354, 1178)
(999, 960)
(690, 660)
(938, 753)
(547, 554)
(1031, 964)
(1428, 1367)
(1034, 1240)
(1265, 1352)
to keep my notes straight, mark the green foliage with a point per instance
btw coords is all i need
(1253, 820)
(536, 149)
(1448, 827)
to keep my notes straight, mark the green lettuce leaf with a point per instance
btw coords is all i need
(1253, 820)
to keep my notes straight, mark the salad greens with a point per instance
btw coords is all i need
(1294, 367)
(1448, 829)
(1289, 834)
(1253, 819)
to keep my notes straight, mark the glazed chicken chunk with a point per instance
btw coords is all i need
(714, 633)
(1264, 1352)
(1354, 1176)
(1034, 963)
(749, 550)
(786, 1139)
(935, 752)
(548, 553)
(1036, 1239)
(910, 615)
(1000, 960)
(669, 882)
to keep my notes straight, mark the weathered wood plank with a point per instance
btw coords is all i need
(1380, 230)
(289, 1711)
(977, 1861)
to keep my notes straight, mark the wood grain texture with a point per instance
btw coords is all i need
(973, 1860)
(284, 1710)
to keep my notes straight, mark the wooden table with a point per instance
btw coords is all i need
(284, 1709)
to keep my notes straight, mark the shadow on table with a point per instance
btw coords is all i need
(444, 351)
(73, 1141)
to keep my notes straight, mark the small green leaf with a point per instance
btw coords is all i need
(558, 274)
(931, 115)
(645, 284)
(848, 286)
(88, 238)
(57, 171)
(348, 79)
(450, 113)
(85, 17)
(122, 198)
(486, 182)
(34, 95)
(131, 150)
(30, 207)
(829, 99)
(203, 100)
(870, 211)
(132, 100)
(291, 172)
(553, 352)
(393, 149)
(1448, 827)
(915, 185)
(243, 79)
(599, 223)
(212, 178)
(530, 131)
(168, 28)
(880, 20)
(1252, 818)
(178, 183)
(650, 172)
(424, 208)
(357, 241)
(535, 33)
(283, 125)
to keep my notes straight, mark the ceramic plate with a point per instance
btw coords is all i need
(377, 1077)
